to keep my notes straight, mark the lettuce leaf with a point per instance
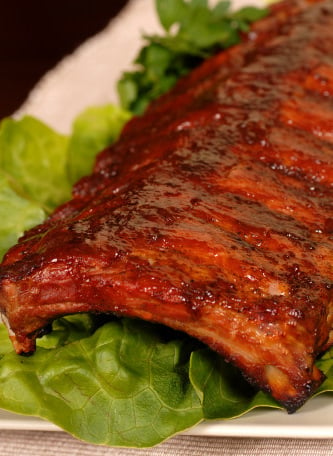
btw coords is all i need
(24, 214)
(125, 384)
(34, 157)
(223, 391)
(38, 165)
(93, 130)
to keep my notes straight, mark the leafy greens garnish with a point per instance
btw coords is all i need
(125, 382)
(193, 32)
(39, 165)
(93, 130)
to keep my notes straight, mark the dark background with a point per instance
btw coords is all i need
(35, 35)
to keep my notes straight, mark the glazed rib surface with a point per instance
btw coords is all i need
(212, 214)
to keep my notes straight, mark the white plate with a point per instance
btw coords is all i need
(313, 421)
(88, 77)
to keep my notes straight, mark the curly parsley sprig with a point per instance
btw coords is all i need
(193, 32)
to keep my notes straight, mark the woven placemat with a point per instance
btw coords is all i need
(24, 443)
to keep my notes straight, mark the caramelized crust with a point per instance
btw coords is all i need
(212, 214)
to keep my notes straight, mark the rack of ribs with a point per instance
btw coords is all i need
(212, 214)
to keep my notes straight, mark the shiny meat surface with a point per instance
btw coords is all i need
(212, 214)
